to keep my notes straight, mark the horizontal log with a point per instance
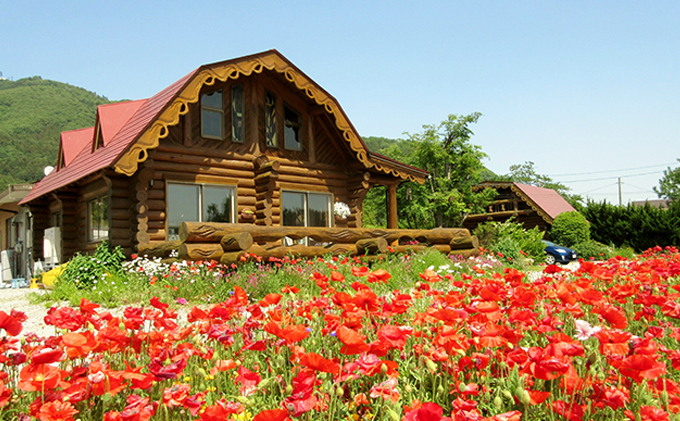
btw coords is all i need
(123, 214)
(120, 233)
(463, 243)
(444, 248)
(236, 241)
(154, 194)
(196, 232)
(158, 249)
(280, 252)
(372, 246)
(157, 235)
(202, 169)
(202, 152)
(299, 171)
(142, 237)
(464, 253)
(203, 161)
(200, 251)
(491, 216)
(328, 182)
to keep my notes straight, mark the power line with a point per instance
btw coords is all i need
(608, 171)
(612, 178)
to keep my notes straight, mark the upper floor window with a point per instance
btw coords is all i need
(270, 119)
(198, 203)
(237, 113)
(98, 218)
(293, 126)
(212, 115)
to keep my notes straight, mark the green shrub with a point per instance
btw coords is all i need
(85, 271)
(591, 249)
(570, 228)
(511, 239)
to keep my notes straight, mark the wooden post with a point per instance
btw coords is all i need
(392, 221)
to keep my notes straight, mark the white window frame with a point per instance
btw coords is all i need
(201, 201)
(209, 108)
(305, 241)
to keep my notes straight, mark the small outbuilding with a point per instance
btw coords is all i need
(529, 205)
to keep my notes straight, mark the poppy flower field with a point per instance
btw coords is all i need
(345, 342)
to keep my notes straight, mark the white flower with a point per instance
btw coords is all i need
(584, 330)
(341, 209)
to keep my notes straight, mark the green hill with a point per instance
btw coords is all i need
(33, 112)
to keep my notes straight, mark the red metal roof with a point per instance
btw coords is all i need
(72, 142)
(112, 117)
(547, 199)
(87, 162)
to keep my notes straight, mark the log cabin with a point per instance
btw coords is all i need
(529, 205)
(252, 140)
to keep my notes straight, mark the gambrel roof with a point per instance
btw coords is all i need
(130, 129)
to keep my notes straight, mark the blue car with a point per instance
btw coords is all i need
(558, 254)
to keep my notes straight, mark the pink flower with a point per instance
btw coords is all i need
(181, 301)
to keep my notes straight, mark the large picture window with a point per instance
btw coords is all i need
(198, 203)
(212, 115)
(98, 219)
(303, 209)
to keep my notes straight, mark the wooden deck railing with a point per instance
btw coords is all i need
(229, 243)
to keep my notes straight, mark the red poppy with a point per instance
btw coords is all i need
(352, 340)
(12, 323)
(65, 318)
(57, 411)
(639, 367)
(319, 363)
(5, 394)
(380, 275)
(270, 299)
(428, 411)
(221, 410)
(337, 276)
(272, 415)
(248, 379)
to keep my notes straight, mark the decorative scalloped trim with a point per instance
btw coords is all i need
(127, 164)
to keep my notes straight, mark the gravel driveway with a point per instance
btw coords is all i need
(18, 299)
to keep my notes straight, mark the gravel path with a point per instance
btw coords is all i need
(18, 299)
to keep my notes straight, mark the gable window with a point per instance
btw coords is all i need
(212, 115)
(237, 113)
(198, 203)
(292, 128)
(270, 119)
(303, 209)
(98, 218)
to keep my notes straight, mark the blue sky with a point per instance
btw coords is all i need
(587, 90)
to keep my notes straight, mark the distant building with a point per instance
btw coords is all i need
(655, 203)
(16, 239)
(529, 205)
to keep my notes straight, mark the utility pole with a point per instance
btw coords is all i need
(620, 198)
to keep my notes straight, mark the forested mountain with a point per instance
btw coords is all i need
(33, 112)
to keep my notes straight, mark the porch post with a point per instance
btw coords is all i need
(392, 221)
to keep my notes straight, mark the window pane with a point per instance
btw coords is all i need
(212, 100)
(217, 204)
(237, 113)
(98, 214)
(270, 118)
(212, 123)
(318, 210)
(293, 205)
(293, 124)
(182, 206)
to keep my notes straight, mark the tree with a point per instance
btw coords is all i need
(454, 164)
(669, 185)
(526, 174)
